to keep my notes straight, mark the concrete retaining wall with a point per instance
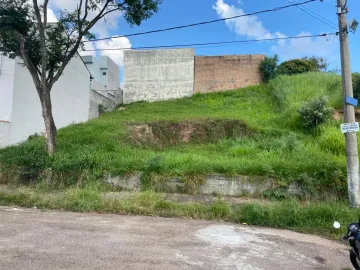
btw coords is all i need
(235, 186)
(220, 185)
(128, 182)
(158, 75)
(213, 185)
(221, 73)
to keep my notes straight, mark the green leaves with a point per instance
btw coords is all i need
(315, 112)
(296, 66)
(18, 23)
(140, 10)
(268, 67)
(356, 85)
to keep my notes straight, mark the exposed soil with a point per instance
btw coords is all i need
(339, 115)
(198, 131)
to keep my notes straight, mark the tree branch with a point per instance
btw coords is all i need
(86, 10)
(118, 7)
(27, 61)
(38, 15)
(50, 75)
(98, 17)
(44, 56)
(45, 11)
(108, 12)
(79, 9)
(65, 62)
(103, 12)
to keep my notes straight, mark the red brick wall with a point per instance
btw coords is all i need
(221, 73)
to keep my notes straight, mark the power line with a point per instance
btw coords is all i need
(315, 15)
(206, 22)
(213, 43)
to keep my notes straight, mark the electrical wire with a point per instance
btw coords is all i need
(213, 43)
(315, 15)
(203, 23)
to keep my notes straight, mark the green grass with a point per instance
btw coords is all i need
(277, 146)
(305, 217)
(290, 92)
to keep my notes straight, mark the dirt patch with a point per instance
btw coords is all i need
(198, 131)
(143, 133)
(339, 115)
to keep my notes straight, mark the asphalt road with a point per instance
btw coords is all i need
(31, 239)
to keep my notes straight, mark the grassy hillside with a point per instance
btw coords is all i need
(270, 139)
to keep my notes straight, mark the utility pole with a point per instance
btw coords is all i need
(352, 157)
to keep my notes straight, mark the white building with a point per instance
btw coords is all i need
(105, 71)
(73, 100)
(105, 83)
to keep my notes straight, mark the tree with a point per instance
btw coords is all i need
(319, 63)
(46, 48)
(296, 66)
(268, 67)
(356, 85)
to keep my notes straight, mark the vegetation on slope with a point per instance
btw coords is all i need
(276, 144)
(309, 217)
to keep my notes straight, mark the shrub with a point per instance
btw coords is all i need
(315, 112)
(268, 67)
(356, 85)
(296, 66)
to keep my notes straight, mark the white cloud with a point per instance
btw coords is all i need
(249, 26)
(51, 17)
(297, 48)
(101, 29)
(116, 56)
(252, 27)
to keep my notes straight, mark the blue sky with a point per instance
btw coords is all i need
(288, 22)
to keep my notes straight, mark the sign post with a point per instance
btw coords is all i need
(350, 127)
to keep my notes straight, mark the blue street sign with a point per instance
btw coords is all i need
(352, 101)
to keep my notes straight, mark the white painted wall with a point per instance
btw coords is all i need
(70, 100)
(7, 69)
(113, 74)
(5, 128)
(101, 65)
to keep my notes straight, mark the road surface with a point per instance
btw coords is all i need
(32, 239)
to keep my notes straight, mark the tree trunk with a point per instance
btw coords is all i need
(50, 128)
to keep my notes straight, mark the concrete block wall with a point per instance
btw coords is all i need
(222, 73)
(155, 75)
(109, 100)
